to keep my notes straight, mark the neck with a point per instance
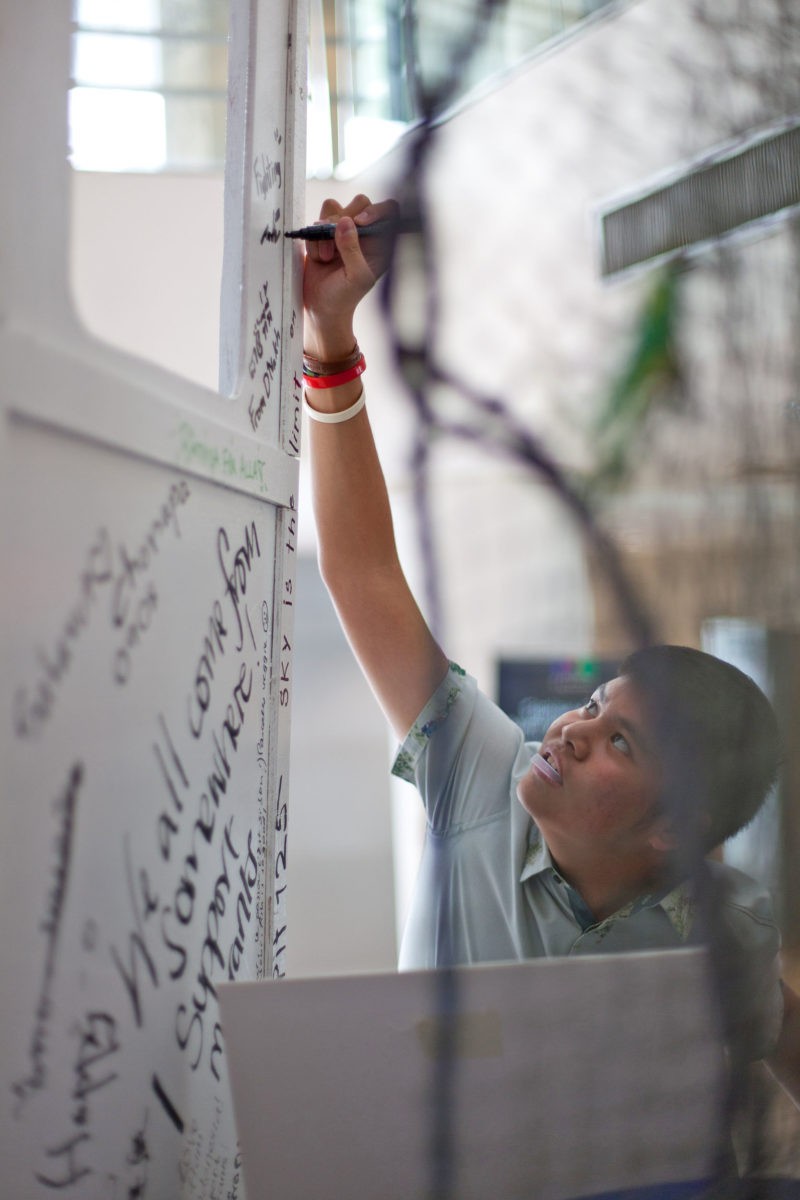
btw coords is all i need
(607, 888)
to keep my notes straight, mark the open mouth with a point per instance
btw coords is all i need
(544, 767)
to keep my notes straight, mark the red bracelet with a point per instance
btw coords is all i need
(332, 381)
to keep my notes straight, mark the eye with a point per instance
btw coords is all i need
(622, 744)
(591, 707)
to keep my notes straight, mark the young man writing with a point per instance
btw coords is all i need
(577, 847)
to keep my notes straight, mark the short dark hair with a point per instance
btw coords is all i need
(717, 735)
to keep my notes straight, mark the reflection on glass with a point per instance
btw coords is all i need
(378, 57)
(515, 29)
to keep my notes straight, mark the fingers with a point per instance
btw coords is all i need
(356, 268)
(377, 250)
(330, 210)
(360, 208)
(362, 260)
(364, 212)
(357, 206)
(367, 213)
(325, 252)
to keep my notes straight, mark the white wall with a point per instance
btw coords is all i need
(146, 265)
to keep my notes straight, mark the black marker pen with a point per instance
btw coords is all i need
(324, 232)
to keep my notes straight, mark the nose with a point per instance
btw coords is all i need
(577, 735)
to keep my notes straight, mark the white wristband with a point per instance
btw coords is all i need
(335, 418)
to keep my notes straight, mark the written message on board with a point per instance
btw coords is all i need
(141, 693)
(149, 539)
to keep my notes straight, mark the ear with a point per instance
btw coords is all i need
(662, 836)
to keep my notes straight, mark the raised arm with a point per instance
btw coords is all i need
(357, 552)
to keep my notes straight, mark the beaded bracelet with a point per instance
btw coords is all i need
(317, 366)
(339, 378)
(335, 418)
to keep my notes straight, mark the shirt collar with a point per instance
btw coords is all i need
(537, 856)
(677, 903)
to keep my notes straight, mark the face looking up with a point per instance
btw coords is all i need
(594, 786)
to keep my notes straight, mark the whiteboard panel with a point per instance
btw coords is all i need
(90, 390)
(138, 631)
(264, 181)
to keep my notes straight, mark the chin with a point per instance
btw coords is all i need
(528, 794)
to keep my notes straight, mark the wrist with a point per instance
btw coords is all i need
(329, 341)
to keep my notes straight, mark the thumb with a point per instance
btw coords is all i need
(346, 237)
(353, 261)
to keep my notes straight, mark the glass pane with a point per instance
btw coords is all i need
(371, 75)
(195, 132)
(140, 15)
(207, 17)
(195, 64)
(116, 130)
(196, 16)
(112, 60)
(516, 29)
(368, 20)
(186, 60)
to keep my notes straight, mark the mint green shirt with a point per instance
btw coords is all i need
(489, 891)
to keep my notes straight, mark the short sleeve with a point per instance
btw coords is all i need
(461, 753)
(455, 685)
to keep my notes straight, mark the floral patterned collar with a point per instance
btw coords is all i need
(677, 902)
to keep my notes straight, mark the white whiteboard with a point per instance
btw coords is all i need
(148, 541)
